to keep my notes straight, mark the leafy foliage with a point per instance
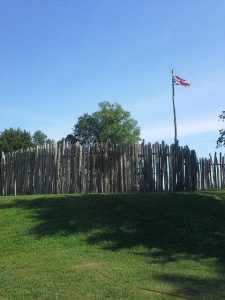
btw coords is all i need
(111, 121)
(221, 139)
(14, 139)
(71, 138)
(40, 138)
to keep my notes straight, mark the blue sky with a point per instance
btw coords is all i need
(58, 59)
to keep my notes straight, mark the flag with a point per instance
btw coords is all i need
(180, 81)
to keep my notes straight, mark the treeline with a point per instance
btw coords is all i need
(15, 139)
(109, 122)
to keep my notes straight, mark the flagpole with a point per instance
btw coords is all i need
(174, 112)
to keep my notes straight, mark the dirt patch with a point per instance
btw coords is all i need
(93, 265)
(89, 265)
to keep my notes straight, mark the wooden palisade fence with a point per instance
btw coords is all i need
(108, 168)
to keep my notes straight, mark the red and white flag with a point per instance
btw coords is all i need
(180, 81)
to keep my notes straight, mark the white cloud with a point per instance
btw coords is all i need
(185, 129)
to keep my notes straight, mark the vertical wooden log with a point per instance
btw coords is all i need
(39, 170)
(206, 179)
(150, 171)
(91, 168)
(58, 175)
(199, 174)
(52, 167)
(215, 171)
(140, 167)
(157, 160)
(45, 169)
(145, 168)
(27, 170)
(153, 168)
(83, 183)
(63, 168)
(187, 169)
(11, 175)
(98, 177)
(36, 171)
(111, 166)
(105, 167)
(210, 172)
(194, 170)
(31, 172)
(53, 171)
(40, 157)
(1, 173)
(71, 183)
(87, 171)
(124, 150)
(133, 168)
(160, 168)
(75, 167)
(222, 171)
(7, 176)
(164, 167)
(116, 170)
(180, 169)
(4, 174)
(121, 185)
(79, 165)
(95, 172)
(67, 153)
(202, 174)
(128, 168)
(21, 171)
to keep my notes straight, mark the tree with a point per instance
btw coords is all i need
(14, 139)
(39, 138)
(111, 121)
(221, 139)
(71, 138)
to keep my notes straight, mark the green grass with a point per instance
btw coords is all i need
(134, 246)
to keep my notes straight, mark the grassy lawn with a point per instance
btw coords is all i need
(134, 246)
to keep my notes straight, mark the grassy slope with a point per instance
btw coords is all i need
(135, 246)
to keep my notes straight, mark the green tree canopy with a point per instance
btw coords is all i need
(40, 138)
(221, 139)
(71, 138)
(14, 139)
(111, 121)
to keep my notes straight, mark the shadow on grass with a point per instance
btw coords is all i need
(188, 224)
(194, 287)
